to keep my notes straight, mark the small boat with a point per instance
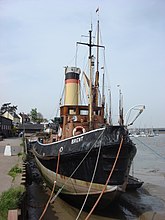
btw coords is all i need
(89, 155)
(151, 133)
(133, 183)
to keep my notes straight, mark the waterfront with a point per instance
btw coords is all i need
(148, 165)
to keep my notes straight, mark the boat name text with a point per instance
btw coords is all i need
(77, 140)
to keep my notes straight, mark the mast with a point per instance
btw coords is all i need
(91, 67)
(98, 31)
(90, 87)
(121, 119)
(110, 111)
(103, 96)
(97, 69)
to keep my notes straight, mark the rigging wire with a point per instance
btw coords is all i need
(94, 172)
(82, 96)
(110, 174)
(47, 204)
(60, 102)
(150, 148)
(76, 55)
(59, 191)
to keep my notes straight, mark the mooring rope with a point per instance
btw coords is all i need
(46, 207)
(94, 172)
(59, 191)
(103, 190)
(150, 148)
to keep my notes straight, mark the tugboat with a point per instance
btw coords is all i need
(90, 156)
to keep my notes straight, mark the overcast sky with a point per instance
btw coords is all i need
(38, 38)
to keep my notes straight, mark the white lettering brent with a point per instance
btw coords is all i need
(76, 140)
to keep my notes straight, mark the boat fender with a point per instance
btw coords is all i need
(59, 132)
(78, 128)
(61, 149)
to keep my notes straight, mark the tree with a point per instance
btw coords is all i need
(39, 117)
(7, 107)
(36, 117)
(33, 114)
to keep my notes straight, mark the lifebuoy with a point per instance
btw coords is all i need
(80, 129)
(59, 132)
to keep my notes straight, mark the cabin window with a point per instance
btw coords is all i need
(58, 120)
(72, 111)
(98, 112)
(83, 112)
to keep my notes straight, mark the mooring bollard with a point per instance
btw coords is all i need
(7, 151)
(13, 214)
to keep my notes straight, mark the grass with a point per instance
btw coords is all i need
(10, 199)
(20, 154)
(14, 171)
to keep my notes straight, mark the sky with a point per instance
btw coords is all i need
(38, 39)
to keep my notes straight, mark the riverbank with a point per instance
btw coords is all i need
(8, 162)
(11, 168)
(144, 204)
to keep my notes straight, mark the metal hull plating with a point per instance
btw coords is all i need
(85, 158)
(75, 191)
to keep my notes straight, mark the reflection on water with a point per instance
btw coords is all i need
(131, 204)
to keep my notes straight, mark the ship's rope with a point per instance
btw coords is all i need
(150, 148)
(94, 172)
(47, 204)
(103, 190)
(59, 191)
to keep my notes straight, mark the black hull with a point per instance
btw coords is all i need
(76, 148)
(78, 156)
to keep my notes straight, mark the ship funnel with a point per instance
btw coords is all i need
(72, 85)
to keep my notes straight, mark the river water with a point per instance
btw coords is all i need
(149, 163)
(148, 166)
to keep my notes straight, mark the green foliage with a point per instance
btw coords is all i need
(14, 171)
(36, 116)
(10, 199)
(33, 114)
(20, 154)
(7, 107)
(14, 130)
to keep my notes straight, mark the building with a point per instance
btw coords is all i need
(24, 118)
(5, 127)
(12, 116)
(30, 128)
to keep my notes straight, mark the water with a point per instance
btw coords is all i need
(149, 163)
(149, 166)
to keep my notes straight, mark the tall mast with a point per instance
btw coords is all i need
(103, 96)
(110, 111)
(91, 65)
(90, 69)
(97, 69)
(121, 119)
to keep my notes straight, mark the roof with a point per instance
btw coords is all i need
(15, 115)
(28, 126)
